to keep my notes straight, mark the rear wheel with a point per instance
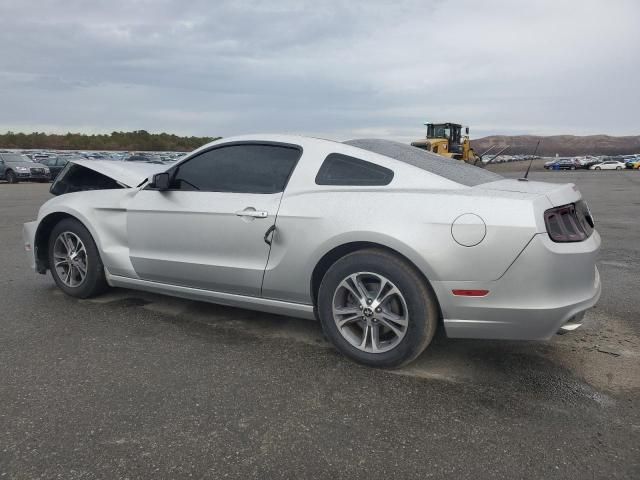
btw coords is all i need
(618, 168)
(598, 168)
(11, 177)
(74, 260)
(377, 309)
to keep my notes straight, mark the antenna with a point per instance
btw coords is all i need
(526, 174)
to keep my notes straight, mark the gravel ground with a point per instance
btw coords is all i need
(133, 385)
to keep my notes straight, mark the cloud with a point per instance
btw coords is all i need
(335, 69)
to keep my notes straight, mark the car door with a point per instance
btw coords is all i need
(208, 229)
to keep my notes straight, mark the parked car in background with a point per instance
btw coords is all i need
(117, 156)
(96, 156)
(334, 231)
(586, 162)
(15, 167)
(50, 162)
(608, 165)
(632, 162)
(144, 157)
(56, 164)
(565, 164)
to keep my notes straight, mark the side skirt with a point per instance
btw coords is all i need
(277, 307)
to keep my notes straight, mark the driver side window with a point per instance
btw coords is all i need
(250, 168)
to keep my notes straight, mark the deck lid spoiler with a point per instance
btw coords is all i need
(557, 193)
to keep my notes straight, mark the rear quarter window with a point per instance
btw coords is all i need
(454, 170)
(338, 169)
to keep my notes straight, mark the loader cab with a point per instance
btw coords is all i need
(451, 132)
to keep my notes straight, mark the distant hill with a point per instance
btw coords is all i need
(563, 145)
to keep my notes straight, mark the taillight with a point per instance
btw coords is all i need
(569, 223)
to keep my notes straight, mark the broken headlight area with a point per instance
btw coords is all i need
(76, 178)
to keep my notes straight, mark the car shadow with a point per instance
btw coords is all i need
(538, 368)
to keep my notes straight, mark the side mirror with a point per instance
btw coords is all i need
(466, 129)
(161, 181)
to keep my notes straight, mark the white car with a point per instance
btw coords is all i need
(608, 165)
(380, 241)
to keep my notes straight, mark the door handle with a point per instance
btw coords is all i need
(270, 230)
(252, 212)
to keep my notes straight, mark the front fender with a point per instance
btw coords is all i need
(103, 213)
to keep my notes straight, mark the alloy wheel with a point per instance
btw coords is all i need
(370, 312)
(70, 259)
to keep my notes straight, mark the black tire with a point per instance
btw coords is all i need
(618, 168)
(422, 306)
(11, 177)
(598, 168)
(94, 282)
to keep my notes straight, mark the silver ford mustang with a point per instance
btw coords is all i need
(378, 240)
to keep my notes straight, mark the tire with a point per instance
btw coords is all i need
(11, 177)
(598, 168)
(618, 168)
(94, 281)
(415, 303)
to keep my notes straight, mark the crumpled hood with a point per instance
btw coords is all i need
(557, 193)
(129, 174)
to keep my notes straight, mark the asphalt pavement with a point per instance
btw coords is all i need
(135, 385)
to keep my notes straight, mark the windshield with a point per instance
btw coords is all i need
(438, 131)
(15, 158)
(455, 170)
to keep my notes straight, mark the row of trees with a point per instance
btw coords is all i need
(136, 140)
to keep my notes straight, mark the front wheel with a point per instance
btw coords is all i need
(74, 260)
(11, 177)
(377, 309)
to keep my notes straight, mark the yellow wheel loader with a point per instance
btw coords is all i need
(446, 139)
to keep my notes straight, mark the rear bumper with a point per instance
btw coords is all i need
(548, 285)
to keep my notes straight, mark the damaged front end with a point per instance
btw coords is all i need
(92, 191)
(79, 176)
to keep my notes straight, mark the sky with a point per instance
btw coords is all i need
(335, 69)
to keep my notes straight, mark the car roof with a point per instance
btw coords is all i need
(449, 168)
(453, 170)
